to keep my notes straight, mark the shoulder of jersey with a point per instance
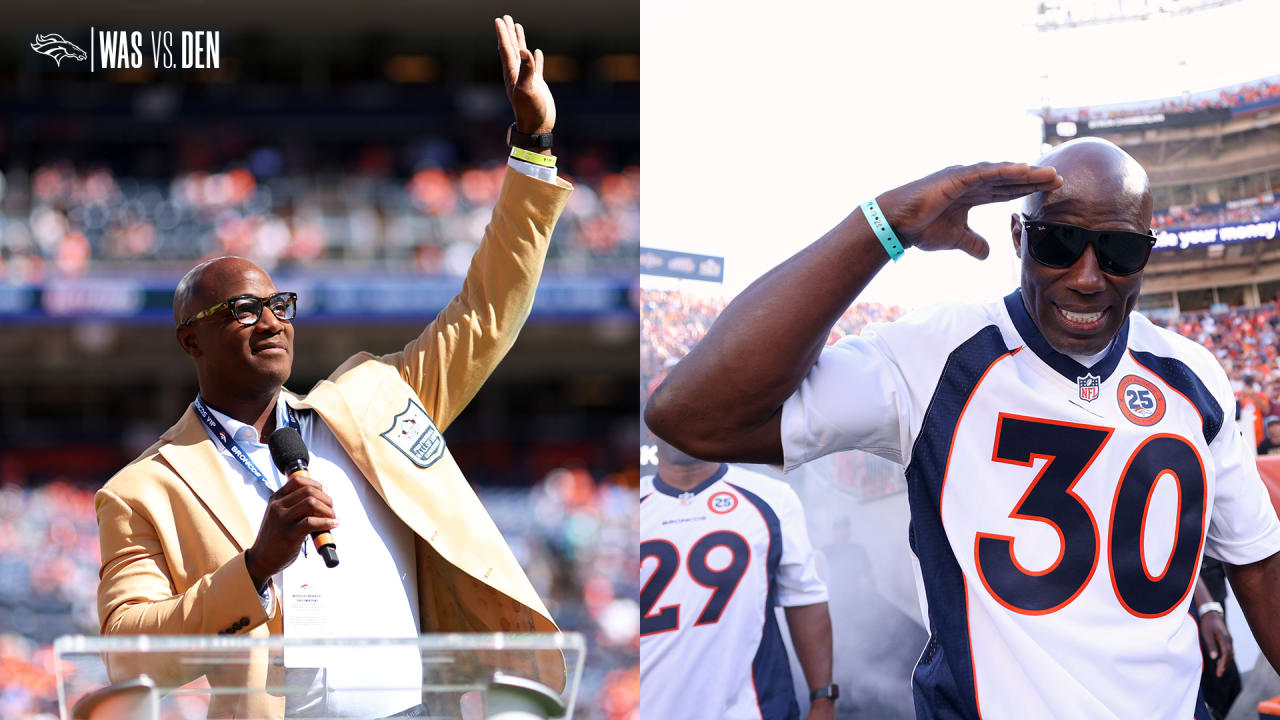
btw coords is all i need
(922, 340)
(942, 322)
(646, 485)
(1145, 336)
(770, 489)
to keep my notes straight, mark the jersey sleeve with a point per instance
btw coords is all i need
(854, 398)
(1243, 527)
(797, 580)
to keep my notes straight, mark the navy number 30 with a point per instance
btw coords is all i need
(1068, 450)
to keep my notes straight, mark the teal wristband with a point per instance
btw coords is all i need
(875, 218)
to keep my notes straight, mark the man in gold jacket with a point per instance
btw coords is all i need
(180, 554)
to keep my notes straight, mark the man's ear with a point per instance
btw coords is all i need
(188, 341)
(1015, 226)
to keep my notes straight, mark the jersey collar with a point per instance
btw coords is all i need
(675, 492)
(1063, 364)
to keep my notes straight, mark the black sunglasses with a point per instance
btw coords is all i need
(1059, 245)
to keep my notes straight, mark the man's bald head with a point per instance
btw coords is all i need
(1095, 174)
(206, 284)
(1080, 308)
(235, 361)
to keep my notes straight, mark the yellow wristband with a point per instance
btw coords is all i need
(533, 157)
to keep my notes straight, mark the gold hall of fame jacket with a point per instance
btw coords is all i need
(173, 534)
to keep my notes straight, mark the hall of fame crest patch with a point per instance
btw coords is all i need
(413, 434)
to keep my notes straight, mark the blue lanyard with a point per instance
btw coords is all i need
(219, 433)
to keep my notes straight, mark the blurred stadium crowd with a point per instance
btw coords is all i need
(1216, 214)
(1227, 97)
(672, 322)
(62, 219)
(1246, 342)
(578, 551)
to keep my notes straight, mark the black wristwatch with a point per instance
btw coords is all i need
(831, 691)
(515, 138)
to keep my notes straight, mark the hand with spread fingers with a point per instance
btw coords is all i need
(522, 74)
(932, 213)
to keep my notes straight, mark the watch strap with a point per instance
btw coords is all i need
(831, 691)
(1210, 607)
(515, 138)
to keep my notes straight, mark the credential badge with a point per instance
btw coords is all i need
(413, 434)
(1089, 387)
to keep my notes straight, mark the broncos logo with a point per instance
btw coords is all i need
(57, 47)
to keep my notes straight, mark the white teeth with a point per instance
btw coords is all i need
(1084, 318)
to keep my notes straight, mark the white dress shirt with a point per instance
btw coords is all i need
(372, 593)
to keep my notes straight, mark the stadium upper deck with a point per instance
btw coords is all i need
(1214, 162)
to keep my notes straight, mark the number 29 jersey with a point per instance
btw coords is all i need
(1058, 512)
(715, 562)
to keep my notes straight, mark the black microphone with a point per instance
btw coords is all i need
(290, 455)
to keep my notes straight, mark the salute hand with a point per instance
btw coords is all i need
(522, 74)
(932, 213)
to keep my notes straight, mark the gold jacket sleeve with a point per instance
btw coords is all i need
(459, 349)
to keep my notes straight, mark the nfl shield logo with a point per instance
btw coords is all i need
(1089, 385)
(413, 434)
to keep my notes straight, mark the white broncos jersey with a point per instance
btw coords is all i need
(1058, 512)
(715, 562)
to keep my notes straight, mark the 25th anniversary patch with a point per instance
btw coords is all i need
(1140, 400)
(413, 434)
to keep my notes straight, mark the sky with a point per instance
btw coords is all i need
(764, 124)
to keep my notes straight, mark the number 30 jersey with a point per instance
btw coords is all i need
(715, 562)
(1058, 512)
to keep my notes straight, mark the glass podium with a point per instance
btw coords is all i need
(445, 676)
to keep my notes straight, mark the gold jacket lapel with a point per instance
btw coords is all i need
(193, 456)
(346, 424)
(440, 507)
(326, 400)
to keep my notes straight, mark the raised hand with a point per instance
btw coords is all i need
(296, 510)
(932, 213)
(522, 74)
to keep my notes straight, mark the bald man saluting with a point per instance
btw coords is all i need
(201, 534)
(1067, 461)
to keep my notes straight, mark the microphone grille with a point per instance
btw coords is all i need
(287, 447)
